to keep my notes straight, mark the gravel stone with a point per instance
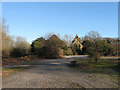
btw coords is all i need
(54, 73)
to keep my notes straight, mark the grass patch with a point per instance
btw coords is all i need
(102, 63)
(11, 70)
(8, 71)
(103, 66)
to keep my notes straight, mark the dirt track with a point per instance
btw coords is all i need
(55, 73)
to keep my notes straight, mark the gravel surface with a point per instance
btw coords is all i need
(54, 73)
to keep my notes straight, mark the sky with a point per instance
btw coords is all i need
(36, 19)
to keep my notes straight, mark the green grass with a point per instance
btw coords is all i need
(103, 66)
(100, 64)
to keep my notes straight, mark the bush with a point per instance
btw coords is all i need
(18, 52)
(14, 47)
(37, 47)
(50, 48)
(21, 47)
(68, 51)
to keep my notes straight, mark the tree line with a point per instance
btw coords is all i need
(54, 47)
(13, 46)
(93, 45)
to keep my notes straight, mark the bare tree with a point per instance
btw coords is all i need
(10, 43)
(7, 42)
(68, 39)
(92, 35)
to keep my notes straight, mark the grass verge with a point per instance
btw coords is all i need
(11, 70)
(102, 66)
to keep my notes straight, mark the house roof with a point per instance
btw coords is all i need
(76, 38)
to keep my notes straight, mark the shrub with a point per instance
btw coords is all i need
(68, 51)
(50, 48)
(18, 52)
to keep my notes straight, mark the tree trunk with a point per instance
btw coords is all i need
(96, 59)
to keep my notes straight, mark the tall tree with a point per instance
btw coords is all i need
(68, 39)
(7, 41)
(50, 48)
(37, 47)
(54, 46)
(21, 47)
(94, 46)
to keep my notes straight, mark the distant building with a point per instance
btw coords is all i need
(77, 41)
